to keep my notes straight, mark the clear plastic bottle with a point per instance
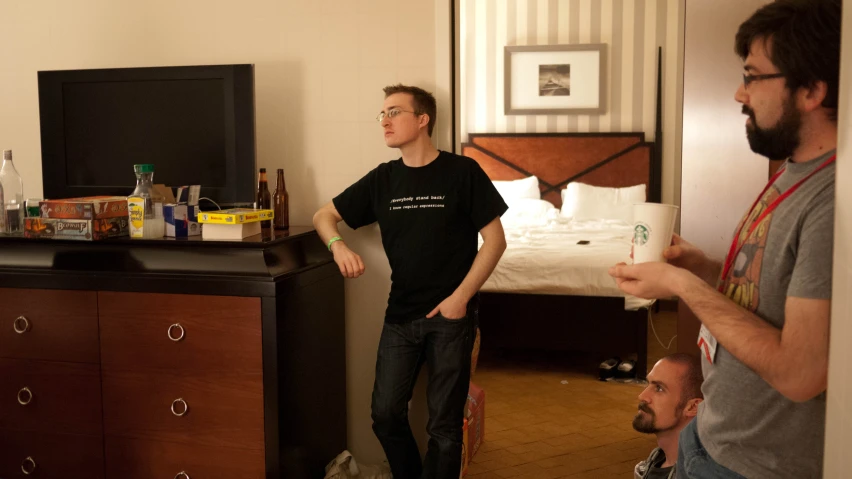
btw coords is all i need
(12, 197)
(145, 206)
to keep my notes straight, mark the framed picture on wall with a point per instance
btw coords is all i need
(555, 79)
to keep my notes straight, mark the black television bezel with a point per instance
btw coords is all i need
(240, 138)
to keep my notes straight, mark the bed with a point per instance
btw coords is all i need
(548, 291)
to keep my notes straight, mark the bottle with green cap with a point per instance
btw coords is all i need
(145, 205)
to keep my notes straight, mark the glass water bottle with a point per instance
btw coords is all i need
(2, 211)
(12, 196)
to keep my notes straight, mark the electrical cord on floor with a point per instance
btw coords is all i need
(651, 320)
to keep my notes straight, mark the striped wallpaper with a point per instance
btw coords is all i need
(632, 30)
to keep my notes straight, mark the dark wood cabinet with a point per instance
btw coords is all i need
(50, 396)
(44, 455)
(145, 359)
(179, 332)
(48, 324)
(145, 459)
(224, 410)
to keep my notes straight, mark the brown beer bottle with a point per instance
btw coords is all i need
(281, 204)
(264, 201)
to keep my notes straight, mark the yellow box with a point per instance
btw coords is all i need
(235, 216)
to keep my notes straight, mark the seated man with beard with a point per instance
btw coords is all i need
(665, 407)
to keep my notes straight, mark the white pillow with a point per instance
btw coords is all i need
(518, 189)
(528, 212)
(586, 202)
(529, 207)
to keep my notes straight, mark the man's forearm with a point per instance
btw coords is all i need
(746, 336)
(326, 225)
(711, 271)
(483, 265)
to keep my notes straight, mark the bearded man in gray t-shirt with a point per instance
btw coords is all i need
(765, 309)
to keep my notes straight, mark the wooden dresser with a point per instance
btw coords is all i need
(171, 358)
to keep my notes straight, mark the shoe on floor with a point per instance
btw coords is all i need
(626, 369)
(606, 370)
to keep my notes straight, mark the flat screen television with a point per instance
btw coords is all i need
(195, 124)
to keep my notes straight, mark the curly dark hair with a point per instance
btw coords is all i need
(424, 102)
(802, 39)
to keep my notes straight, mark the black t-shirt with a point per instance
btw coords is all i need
(657, 471)
(429, 218)
(652, 468)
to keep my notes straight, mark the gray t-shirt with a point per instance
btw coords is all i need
(745, 424)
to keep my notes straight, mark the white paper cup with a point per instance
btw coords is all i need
(653, 226)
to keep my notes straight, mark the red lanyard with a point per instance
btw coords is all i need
(736, 245)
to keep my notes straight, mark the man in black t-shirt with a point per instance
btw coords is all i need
(430, 206)
(666, 406)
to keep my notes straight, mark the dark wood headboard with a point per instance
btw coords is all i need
(599, 159)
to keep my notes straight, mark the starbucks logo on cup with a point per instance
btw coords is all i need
(641, 233)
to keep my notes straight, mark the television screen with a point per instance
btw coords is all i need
(179, 126)
(194, 124)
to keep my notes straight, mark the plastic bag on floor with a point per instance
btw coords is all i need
(344, 467)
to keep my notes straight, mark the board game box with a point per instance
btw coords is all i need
(75, 229)
(87, 208)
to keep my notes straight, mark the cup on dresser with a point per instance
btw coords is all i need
(32, 205)
(653, 226)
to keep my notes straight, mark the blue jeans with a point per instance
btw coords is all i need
(445, 345)
(694, 462)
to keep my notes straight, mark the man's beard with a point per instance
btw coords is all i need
(779, 141)
(647, 423)
(644, 423)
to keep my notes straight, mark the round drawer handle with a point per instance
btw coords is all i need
(178, 327)
(25, 396)
(28, 466)
(21, 325)
(185, 408)
(182, 475)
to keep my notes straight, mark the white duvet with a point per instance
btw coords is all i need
(543, 255)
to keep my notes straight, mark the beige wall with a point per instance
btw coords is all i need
(632, 31)
(320, 67)
(718, 163)
(838, 431)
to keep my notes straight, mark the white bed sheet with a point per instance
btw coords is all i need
(542, 257)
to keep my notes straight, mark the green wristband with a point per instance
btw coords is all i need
(332, 240)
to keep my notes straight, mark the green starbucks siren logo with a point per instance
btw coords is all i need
(641, 233)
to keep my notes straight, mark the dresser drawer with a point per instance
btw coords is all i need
(143, 459)
(221, 410)
(50, 396)
(48, 324)
(187, 333)
(50, 456)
